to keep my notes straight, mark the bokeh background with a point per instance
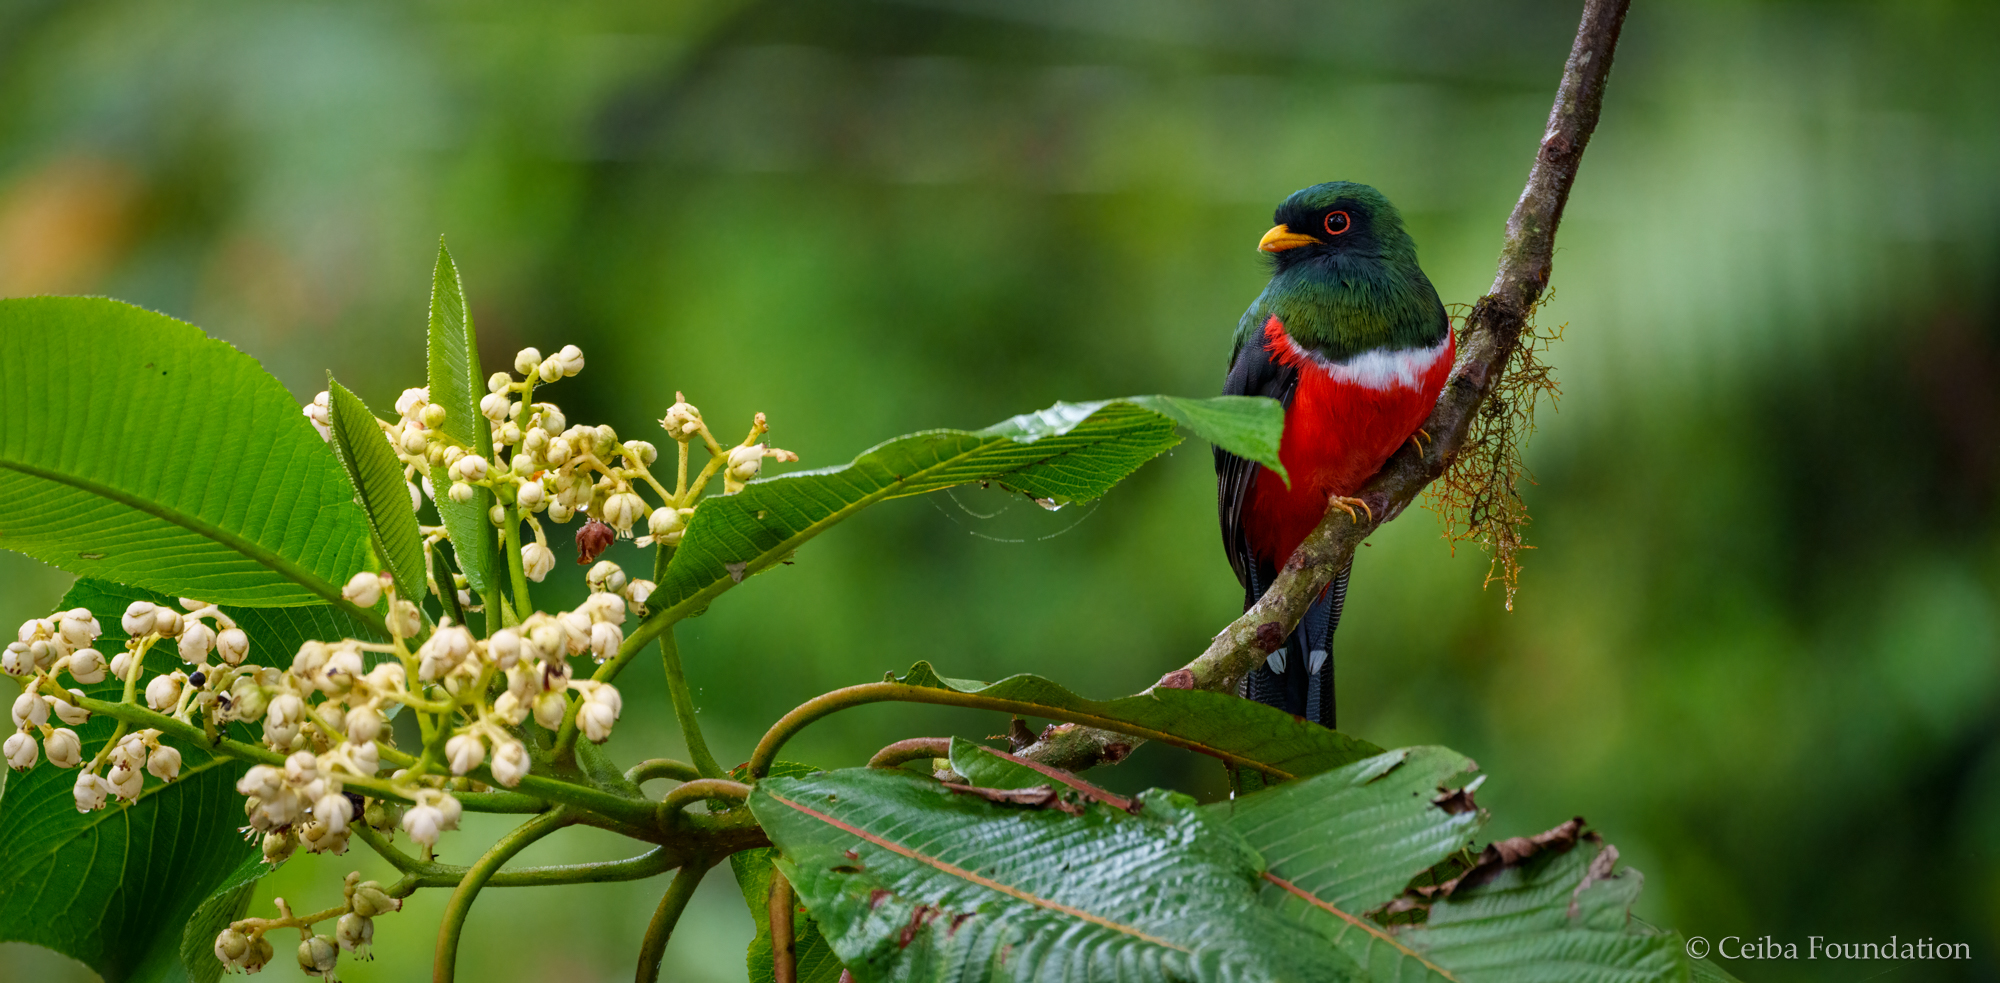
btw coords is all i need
(1758, 644)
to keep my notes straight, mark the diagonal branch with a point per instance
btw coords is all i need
(1491, 335)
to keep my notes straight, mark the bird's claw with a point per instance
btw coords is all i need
(1346, 504)
(1420, 438)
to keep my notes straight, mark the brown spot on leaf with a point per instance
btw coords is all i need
(1115, 752)
(1270, 636)
(850, 854)
(956, 921)
(1038, 797)
(1018, 734)
(736, 570)
(1178, 679)
(1600, 870)
(875, 897)
(1502, 854)
(918, 919)
(1456, 800)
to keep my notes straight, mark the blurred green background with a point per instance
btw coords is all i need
(1758, 644)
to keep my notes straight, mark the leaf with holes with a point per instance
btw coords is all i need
(134, 448)
(1346, 842)
(377, 475)
(114, 888)
(910, 881)
(456, 385)
(1070, 452)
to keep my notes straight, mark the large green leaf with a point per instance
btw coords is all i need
(377, 475)
(1070, 452)
(1241, 732)
(1540, 922)
(911, 881)
(1343, 843)
(229, 902)
(115, 887)
(456, 385)
(134, 448)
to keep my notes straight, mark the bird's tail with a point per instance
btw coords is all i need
(1298, 678)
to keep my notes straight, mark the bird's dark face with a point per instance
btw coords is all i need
(1335, 218)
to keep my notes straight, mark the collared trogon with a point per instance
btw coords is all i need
(1350, 336)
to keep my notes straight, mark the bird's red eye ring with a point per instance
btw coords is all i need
(1336, 223)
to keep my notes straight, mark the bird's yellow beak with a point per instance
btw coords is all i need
(1281, 238)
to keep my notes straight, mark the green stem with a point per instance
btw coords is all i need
(421, 874)
(444, 964)
(664, 919)
(651, 768)
(854, 696)
(523, 604)
(677, 687)
(699, 790)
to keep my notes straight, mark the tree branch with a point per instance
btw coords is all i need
(1490, 337)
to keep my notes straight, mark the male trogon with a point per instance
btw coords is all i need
(1350, 336)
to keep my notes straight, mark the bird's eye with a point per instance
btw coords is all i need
(1336, 223)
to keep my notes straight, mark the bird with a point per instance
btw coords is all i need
(1349, 335)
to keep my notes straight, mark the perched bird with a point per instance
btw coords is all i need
(1350, 336)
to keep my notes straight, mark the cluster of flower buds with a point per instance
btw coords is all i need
(243, 945)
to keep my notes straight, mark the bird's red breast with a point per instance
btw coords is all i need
(1343, 422)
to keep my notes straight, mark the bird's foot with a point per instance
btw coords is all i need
(1420, 438)
(1346, 504)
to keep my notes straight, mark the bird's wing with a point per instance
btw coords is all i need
(1251, 373)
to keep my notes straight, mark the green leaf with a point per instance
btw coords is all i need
(1348, 841)
(134, 448)
(457, 385)
(978, 765)
(815, 962)
(1249, 427)
(1238, 731)
(1070, 452)
(114, 888)
(910, 881)
(230, 902)
(377, 475)
(1539, 922)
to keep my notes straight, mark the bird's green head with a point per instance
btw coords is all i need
(1337, 220)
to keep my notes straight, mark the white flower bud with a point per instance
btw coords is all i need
(460, 492)
(560, 513)
(413, 441)
(333, 811)
(231, 644)
(531, 496)
(605, 576)
(412, 401)
(549, 708)
(68, 712)
(510, 762)
(124, 664)
(404, 620)
(549, 639)
(599, 710)
(370, 900)
(423, 823)
(317, 955)
(90, 792)
(497, 514)
(465, 752)
(64, 747)
(558, 452)
(163, 692)
(282, 719)
(622, 510)
(637, 592)
(552, 418)
(504, 648)
(29, 711)
(132, 751)
(527, 360)
(416, 497)
(496, 406)
(279, 845)
(166, 622)
(537, 560)
(17, 661)
(642, 451)
(165, 764)
(664, 522)
(138, 618)
(682, 421)
(318, 412)
(78, 632)
(571, 358)
(231, 948)
(355, 933)
(86, 666)
(433, 416)
(605, 638)
(364, 724)
(126, 781)
(509, 708)
(449, 808)
(576, 631)
(366, 757)
(196, 642)
(551, 369)
(498, 382)
(21, 751)
(364, 589)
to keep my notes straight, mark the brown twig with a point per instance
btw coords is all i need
(784, 948)
(1490, 337)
